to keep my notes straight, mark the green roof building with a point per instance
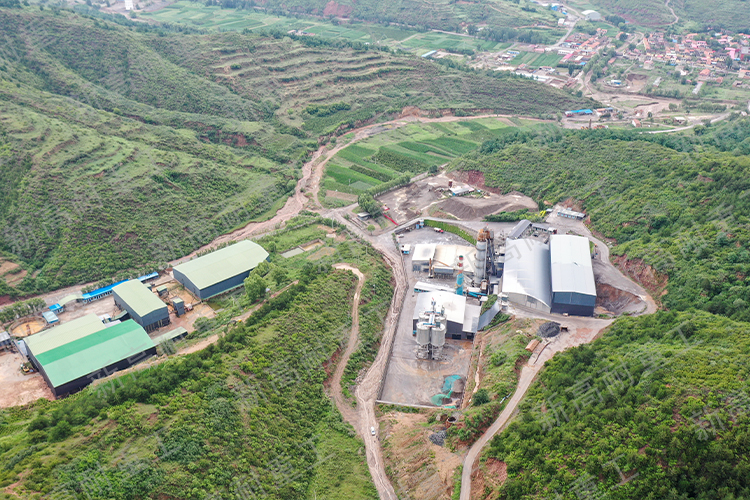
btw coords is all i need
(74, 354)
(144, 307)
(221, 270)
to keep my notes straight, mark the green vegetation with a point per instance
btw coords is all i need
(677, 204)
(657, 408)
(695, 13)
(247, 415)
(125, 145)
(502, 352)
(451, 229)
(389, 19)
(415, 148)
(515, 216)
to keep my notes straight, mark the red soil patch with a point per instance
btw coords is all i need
(334, 9)
(642, 273)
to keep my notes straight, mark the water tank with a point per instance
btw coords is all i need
(423, 334)
(437, 337)
(424, 317)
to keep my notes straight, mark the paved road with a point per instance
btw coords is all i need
(582, 331)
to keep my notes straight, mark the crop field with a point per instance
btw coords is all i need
(416, 146)
(215, 18)
(535, 59)
(441, 15)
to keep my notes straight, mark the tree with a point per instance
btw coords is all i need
(371, 228)
(480, 398)
(279, 275)
(369, 204)
(672, 106)
(255, 287)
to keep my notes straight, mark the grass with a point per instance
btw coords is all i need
(137, 144)
(421, 143)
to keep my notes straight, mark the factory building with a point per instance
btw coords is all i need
(519, 229)
(221, 270)
(461, 319)
(572, 275)
(144, 307)
(421, 257)
(526, 275)
(76, 353)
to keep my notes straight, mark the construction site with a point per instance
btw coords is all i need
(463, 273)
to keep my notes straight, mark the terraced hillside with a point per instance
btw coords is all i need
(126, 145)
(441, 14)
(414, 148)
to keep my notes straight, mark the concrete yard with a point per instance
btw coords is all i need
(412, 381)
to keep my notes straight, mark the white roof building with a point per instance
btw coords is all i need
(526, 274)
(572, 275)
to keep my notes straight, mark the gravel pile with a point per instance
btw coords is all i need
(438, 438)
(549, 329)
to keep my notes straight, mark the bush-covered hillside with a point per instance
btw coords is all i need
(245, 418)
(684, 213)
(659, 408)
(125, 144)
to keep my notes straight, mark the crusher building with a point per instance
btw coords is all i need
(144, 307)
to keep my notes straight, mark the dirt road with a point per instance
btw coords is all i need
(581, 335)
(349, 414)
(367, 391)
(582, 331)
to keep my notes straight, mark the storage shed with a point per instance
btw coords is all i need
(221, 270)
(76, 353)
(572, 275)
(526, 276)
(144, 307)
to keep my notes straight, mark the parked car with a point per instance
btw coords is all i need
(438, 230)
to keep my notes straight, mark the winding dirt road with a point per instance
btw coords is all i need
(337, 393)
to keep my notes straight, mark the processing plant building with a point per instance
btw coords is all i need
(74, 354)
(557, 277)
(221, 270)
(526, 275)
(462, 319)
(144, 307)
(573, 287)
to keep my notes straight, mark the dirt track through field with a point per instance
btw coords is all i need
(349, 414)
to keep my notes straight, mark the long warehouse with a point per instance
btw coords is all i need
(76, 353)
(144, 307)
(573, 286)
(526, 275)
(221, 270)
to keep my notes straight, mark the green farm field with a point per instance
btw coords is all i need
(413, 148)
(215, 18)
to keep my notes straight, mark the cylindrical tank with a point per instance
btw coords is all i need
(480, 261)
(437, 337)
(423, 334)
(424, 317)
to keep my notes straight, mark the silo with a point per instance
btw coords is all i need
(424, 317)
(423, 334)
(437, 339)
(480, 260)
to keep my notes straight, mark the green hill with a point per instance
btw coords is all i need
(676, 204)
(127, 144)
